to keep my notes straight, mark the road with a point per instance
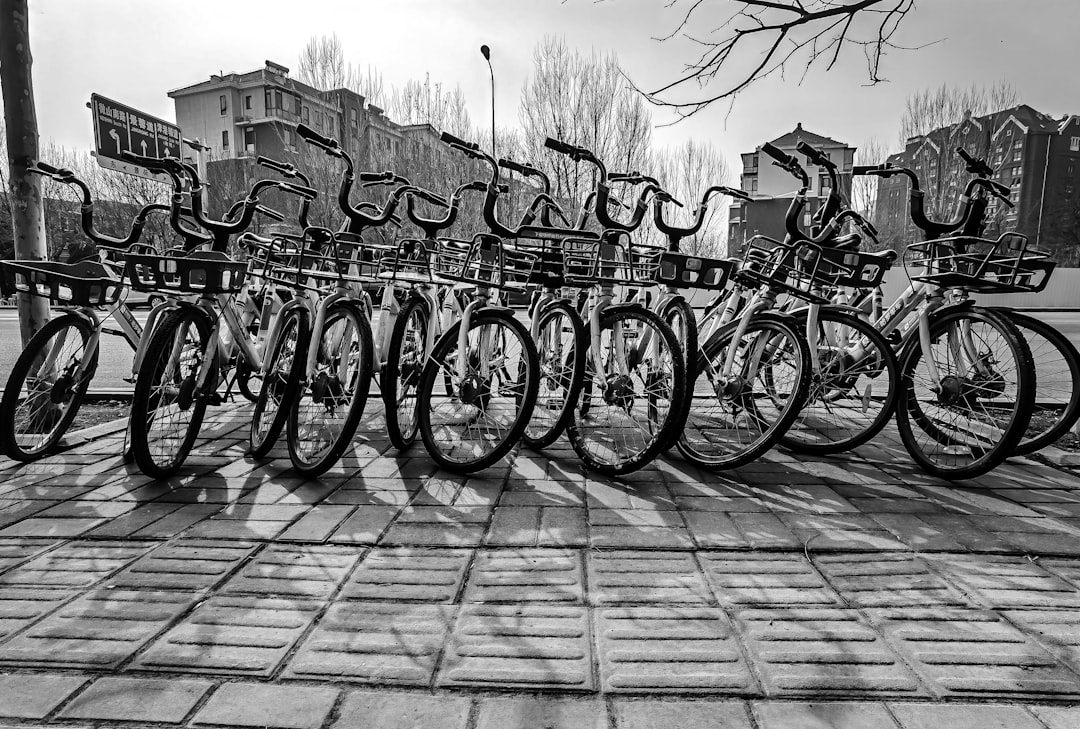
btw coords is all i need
(115, 358)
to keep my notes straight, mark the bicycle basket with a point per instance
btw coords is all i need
(408, 262)
(790, 268)
(547, 245)
(1004, 266)
(694, 272)
(87, 283)
(852, 268)
(611, 260)
(200, 272)
(484, 261)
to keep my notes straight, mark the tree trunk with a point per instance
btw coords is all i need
(20, 120)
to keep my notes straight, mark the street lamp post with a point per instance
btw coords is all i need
(487, 57)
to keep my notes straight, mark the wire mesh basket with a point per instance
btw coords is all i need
(1002, 266)
(484, 261)
(408, 262)
(86, 283)
(200, 272)
(694, 272)
(613, 259)
(807, 270)
(547, 245)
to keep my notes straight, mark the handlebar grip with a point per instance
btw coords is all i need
(964, 155)
(308, 193)
(150, 163)
(310, 135)
(45, 168)
(737, 194)
(270, 213)
(559, 146)
(430, 197)
(273, 164)
(864, 169)
(516, 167)
(376, 176)
(870, 227)
(777, 154)
(451, 139)
(975, 165)
(815, 156)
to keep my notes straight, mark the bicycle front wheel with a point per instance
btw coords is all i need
(401, 375)
(284, 370)
(853, 393)
(1057, 382)
(634, 382)
(972, 419)
(46, 387)
(473, 412)
(326, 411)
(738, 415)
(560, 346)
(167, 408)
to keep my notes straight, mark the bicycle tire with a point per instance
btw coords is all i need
(1057, 382)
(164, 387)
(679, 315)
(46, 414)
(849, 401)
(596, 423)
(401, 375)
(974, 442)
(714, 437)
(284, 370)
(560, 373)
(324, 415)
(448, 421)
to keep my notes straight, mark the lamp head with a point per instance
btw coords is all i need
(486, 51)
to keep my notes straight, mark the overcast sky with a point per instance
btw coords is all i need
(135, 52)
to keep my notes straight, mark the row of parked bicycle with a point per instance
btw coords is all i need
(794, 347)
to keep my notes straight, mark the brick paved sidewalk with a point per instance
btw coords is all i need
(846, 592)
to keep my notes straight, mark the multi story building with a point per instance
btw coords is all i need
(1036, 156)
(772, 188)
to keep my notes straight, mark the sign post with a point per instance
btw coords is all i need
(119, 128)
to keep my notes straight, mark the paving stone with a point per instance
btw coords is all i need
(765, 531)
(961, 651)
(317, 525)
(647, 714)
(987, 716)
(838, 715)
(241, 635)
(383, 643)
(549, 713)
(35, 695)
(1057, 630)
(138, 699)
(16, 551)
(20, 607)
(921, 535)
(562, 527)
(1007, 582)
(840, 532)
(514, 526)
(51, 528)
(762, 580)
(543, 493)
(177, 521)
(402, 711)
(184, 564)
(301, 571)
(714, 529)
(886, 580)
(267, 706)
(670, 649)
(526, 576)
(100, 629)
(398, 573)
(365, 525)
(1067, 568)
(135, 520)
(519, 645)
(620, 577)
(1058, 717)
(821, 651)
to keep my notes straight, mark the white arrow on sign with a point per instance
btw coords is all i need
(143, 147)
(116, 138)
(167, 152)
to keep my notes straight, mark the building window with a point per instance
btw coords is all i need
(249, 139)
(1068, 190)
(352, 117)
(289, 137)
(304, 115)
(1016, 154)
(224, 104)
(1070, 170)
(1074, 144)
(225, 139)
(824, 183)
(247, 102)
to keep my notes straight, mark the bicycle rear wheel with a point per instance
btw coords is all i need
(167, 409)
(480, 417)
(401, 375)
(560, 346)
(46, 387)
(679, 315)
(284, 370)
(734, 419)
(325, 413)
(978, 414)
(1057, 382)
(628, 407)
(854, 393)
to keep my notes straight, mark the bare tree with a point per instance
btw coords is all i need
(931, 109)
(585, 101)
(763, 37)
(323, 66)
(864, 187)
(424, 102)
(686, 171)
